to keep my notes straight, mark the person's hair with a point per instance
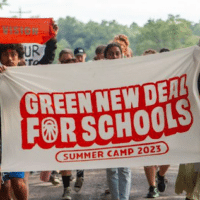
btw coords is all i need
(164, 50)
(18, 47)
(113, 44)
(123, 41)
(149, 51)
(121, 37)
(69, 51)
(100, 49)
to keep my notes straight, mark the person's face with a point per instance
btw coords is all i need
(65, 57)
(129, 54)
(81, 58)
(100, 56)
(10, 58)
(114, 53)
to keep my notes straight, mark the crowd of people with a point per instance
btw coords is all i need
(14, 185)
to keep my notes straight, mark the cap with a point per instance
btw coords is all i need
(79, 51)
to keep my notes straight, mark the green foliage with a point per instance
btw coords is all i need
(62, 44)
(173, 33)
(70, 29)
(196, 29)
(92, 34)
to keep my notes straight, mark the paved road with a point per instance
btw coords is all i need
(95, 185)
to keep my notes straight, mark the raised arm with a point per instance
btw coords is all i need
(51, 46)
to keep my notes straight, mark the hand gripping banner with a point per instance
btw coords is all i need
(111, 113)
(14, 30)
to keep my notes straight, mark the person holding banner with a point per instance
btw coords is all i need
(188, 180)
(11, 55)
(150, 171)
(66, 56)
(66, 174)
(49, 52)
(119, 179)
(80, 56)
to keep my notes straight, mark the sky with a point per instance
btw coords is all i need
(123, 11)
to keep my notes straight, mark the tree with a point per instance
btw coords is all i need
(196, 29)
(62, 44)
(70, 29)
(173, 33)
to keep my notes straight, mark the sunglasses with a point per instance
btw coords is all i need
(68, 61)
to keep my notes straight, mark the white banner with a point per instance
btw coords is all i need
(111, 113)
(33, 53)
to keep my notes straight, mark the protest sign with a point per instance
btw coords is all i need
(33, 53)
(111, 113)
(31, 30)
